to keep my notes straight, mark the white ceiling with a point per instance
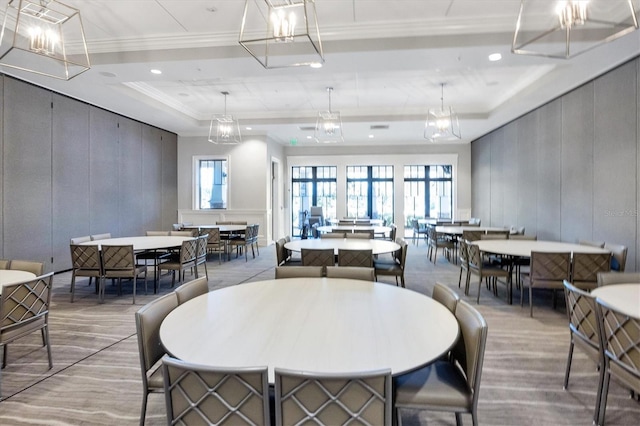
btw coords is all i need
(384, 59)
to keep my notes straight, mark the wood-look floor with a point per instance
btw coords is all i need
(96, 375)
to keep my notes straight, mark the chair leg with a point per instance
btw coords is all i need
(134, 289)
(568, 368)
(530, 302)
(45, 337)
(143, 412)
(458, 419)
(479, 289)
(73, 284)
(604, 391)
(4, 355)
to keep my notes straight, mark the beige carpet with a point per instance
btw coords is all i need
(96, 375)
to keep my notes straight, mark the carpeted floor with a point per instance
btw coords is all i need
(96, 375)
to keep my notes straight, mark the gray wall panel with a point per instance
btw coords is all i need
(71, 177)
(528, 172)
(169, 179)
(549, 169)
(152, 179)
(577, 165)
(615, 151)
(27, 172)
(1, 166)
(481, 172)
(130, 174)
(497, 179)
(510, 175)
(104, 158)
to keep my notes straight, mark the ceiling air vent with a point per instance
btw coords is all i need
(379, 127)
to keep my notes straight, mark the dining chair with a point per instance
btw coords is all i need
(318, 257)
(620, 350)
(148, 321)
(205, 395)
(36, 268)
(360, 235)
(598, 244)
(472, 235)
(183, 260)
(418, 230)
(215, 244)
(619, 256)
(78, 240)
(437, 241)
(201, 254)
(299, 272)
(351, 272)
(585, 268)
(395, 266)
(361, 258)
(255, 233)
(85, 262)
(191, 289)
(118, 261)
(155, 255)
(548, 271)
(241, 242)
(303, 397)
(445, 296)
(4, 263)
(333, 234)
(104, 236)
(393, 232)
(608, 278)
(24, 309)
(464, 263)
(451, 384)
(183, 233)
(485, 270)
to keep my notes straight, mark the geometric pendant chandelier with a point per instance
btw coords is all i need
(328, 125)
(442, 122)
(45, 37)
(224, 129)
(564, 29)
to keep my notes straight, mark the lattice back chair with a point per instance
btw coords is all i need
(215, 244)
(36, 268)
(620, 343)
(318, 257)
(585, 268)
(119, 262)
(449, 385)
(255, 233)
(583, 326)
(619, 256)
(608, 278)
(148, 321)
(24, 309)
(191, 289)
(185, 233)
(86, 262)
(196, 394)
(201, 253)
(464, 263)
(439, 241)
(333, 234)
(484, 270)
(242, 242)
(471, 235)
(395, 266)
(361, 258)
(333, 399)
(361, 233)
(549, 271)
(184, 260)
(351, 272)
(299, 272)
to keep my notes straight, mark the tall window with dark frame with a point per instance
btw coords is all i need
(428, 192)
(370, 192)
(312, 186)
(212, 184)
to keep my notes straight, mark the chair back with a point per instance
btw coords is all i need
(201, 248)
(607, 278)
(619, 256)
(474, 256)
(24, 307)
(158, 233)
(469, 350)
(393, 232)
(188, 251)
(299, 272)
(317, 257)
(351, 272)
(333, 234)
(360, 233)
(333, 399)
(191, 289)
(471, 235)
(4, 263)
(193, 233)
(104, 236)
(464, 253)
(474, 221)
(148, 321)
(549, 270)
(36, 268)
(586, 266)
(523, 237)
(281, 252)
(117, 258)
(213, 237)
(599, 244)
(495, 236)
(445, 296)
(360, 258)
(85, 257)
(78, 240)
(581, 311)
(401, 255)
(201, 395)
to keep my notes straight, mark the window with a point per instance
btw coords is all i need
(312, 186)
(370, 192)
(428, 192)
(211, 183)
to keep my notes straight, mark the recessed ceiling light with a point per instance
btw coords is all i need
(315, 65)
(155, 71)
(308, 137)
(248, 128)
(370, 136)
(495, 57)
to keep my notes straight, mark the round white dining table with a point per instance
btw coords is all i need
(323, 325)
(523, 248)
(376, 246)
(622, 297)
(12, 276)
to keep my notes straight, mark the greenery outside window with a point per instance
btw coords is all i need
(312, 186)
(428, 192)
(370, 192)
(211, 179)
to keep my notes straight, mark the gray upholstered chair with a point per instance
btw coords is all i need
(607, 278)
(620, 342)
(193, 233)
(299, 272)
(619, 256)
(119, 262)
(445, 296)
(585, 268)
(148, 321)
(201, 395)
(333, 399)
(333, 234)
(157, 233)
(78, 240)
(24, 309)
(191, 289)
(598, 244)
(449, 385)
(365, 234)
(548, 271)
(4, 263)
(185, 259)
(351, 272)
(104, 236)
(318, 257)
(418, 231)
(361, 258)
(85, 261)
(395, 266)
(36, 268)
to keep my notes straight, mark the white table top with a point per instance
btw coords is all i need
(222, 228)
(376, 246)
(623, 297)
(142, 243)
(312, 324)
(457, 230)
(346, 228)
(523, 248)
(12, 276)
